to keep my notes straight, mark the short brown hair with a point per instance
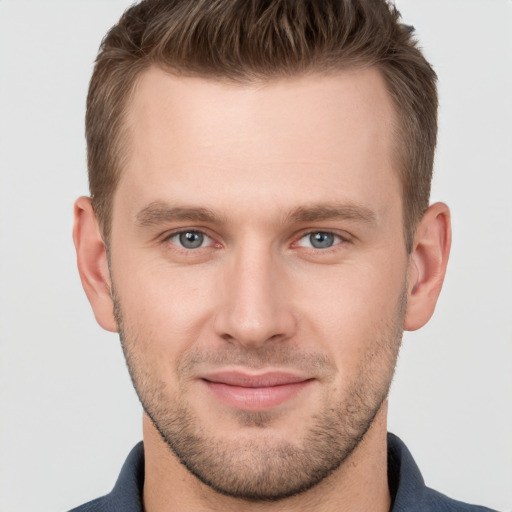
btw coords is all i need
(254, 40)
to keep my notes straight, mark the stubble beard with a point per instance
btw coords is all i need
(261, 467)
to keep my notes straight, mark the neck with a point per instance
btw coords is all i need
(360, 483)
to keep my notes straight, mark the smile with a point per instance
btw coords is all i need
(255, 392)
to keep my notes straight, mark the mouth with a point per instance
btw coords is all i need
(255, 392)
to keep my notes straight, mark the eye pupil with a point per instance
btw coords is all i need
(191, 239)
(321, 240)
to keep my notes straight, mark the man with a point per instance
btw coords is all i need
(259, 235)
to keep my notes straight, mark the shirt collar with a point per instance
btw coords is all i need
(405, 481)
(127, 493)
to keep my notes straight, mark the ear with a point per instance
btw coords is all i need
(93, 264)
(427, 265)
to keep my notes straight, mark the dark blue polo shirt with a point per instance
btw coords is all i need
(408, 490)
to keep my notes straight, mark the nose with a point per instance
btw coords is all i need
(255, 307)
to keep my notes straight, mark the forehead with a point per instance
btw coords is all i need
(314, 131)
(310, 102)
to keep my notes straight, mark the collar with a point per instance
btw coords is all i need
(407, 487)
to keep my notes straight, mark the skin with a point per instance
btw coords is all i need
(257, 169)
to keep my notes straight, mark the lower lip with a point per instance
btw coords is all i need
(256, 399)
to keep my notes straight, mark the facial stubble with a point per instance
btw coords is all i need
(262, 467)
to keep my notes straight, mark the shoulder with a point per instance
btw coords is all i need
(126, 496)
(408, 487)
(436, 502)
(97, 505)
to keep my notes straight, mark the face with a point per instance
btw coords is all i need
(259, 272)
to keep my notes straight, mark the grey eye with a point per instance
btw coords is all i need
(191, 239)
(321, 240)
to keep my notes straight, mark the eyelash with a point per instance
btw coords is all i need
(338, 240)
(169, 237)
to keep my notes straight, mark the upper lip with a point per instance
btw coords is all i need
(247, 380)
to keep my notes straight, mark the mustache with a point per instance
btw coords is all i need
(267, 356)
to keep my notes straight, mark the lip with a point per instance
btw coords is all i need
(258, 392)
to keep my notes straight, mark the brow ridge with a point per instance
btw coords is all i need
(158, 212)
(332, 211)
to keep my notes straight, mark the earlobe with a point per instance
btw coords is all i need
(93, 264)
(427, 265)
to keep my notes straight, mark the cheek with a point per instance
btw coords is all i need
(352, 311)
(163, 306)
(351, 292)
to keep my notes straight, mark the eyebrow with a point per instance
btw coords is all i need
(157, 213)
(351, 212)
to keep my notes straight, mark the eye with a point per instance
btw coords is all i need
(190, 239)
(319, 240)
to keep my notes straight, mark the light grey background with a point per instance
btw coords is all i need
(68, 415)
